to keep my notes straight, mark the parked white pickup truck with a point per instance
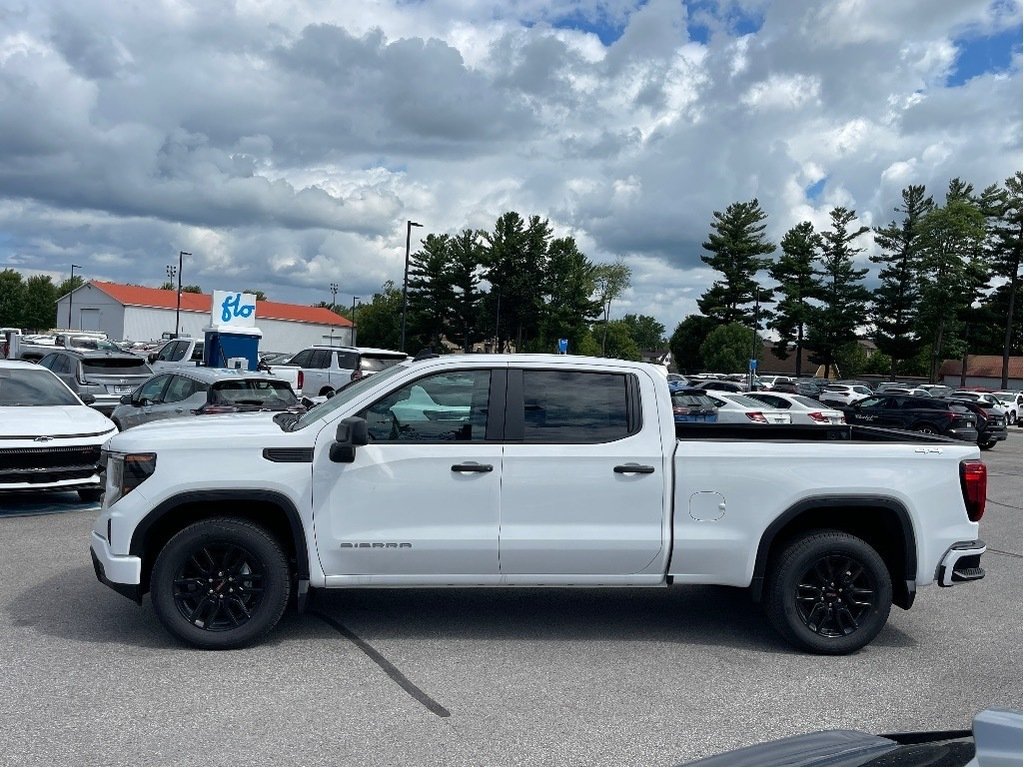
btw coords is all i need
(517, 470)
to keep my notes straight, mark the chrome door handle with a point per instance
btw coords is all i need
(472, 466)
(638, 469)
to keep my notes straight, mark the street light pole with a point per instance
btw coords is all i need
(354, 300)
(177, 312)
(405, 280)
(334, 304)
(71, 295)
(753, 341)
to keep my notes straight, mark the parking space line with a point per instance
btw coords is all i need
(1004, 552)
(390, 669)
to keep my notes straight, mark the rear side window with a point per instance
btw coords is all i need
(197, 352)
(302, 359)
(576, 407)
(370, 362)
(115, 366)
(348, 361)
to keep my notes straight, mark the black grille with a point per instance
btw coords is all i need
(47, 465)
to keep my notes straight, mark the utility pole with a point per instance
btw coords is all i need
(334, 303)
(405, 280)
(177, 312)
(753, 342)
(71, 295)
(354, 300)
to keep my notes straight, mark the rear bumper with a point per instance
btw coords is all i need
(962, 562)
(122, 573)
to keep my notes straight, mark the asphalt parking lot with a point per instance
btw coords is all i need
(421, 677)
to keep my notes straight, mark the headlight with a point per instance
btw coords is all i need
(125, 472)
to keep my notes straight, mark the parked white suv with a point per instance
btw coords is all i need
(324, 369)
(844, 394)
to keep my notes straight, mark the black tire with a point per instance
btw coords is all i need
(808, 593)
(988, 445)
(926, 429)
(90, 495)
(327, 392)
(220, 583)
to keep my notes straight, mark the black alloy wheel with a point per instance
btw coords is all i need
(220, 583)
(219, 587)
(834, 596)
(828, 592)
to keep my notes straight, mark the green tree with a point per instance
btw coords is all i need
(380, 320)
(40, 307)
(167, 285)
(569, 286)
(727, 348)
(431, 294)
(798, 285)
(833, 325)
(1003, 252)
(646, 331)
(896, 299)
(514, 265)
(687, 340)
(260, 295)
(191, 289)
(952, 268)
(611, 281)
(466, 254)
(617, 340)
(12, 299)
(67, 286)
(736, 246)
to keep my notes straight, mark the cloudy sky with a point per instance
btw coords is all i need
(285, 143)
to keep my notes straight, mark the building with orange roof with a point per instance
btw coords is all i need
(138, 313)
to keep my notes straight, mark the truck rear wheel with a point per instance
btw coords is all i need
(220, 583)
(830, 593)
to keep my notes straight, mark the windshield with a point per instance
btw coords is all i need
(26, 387)
(346, 394)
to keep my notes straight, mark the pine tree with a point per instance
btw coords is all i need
(833, 325)
(798, 285)
(568, 290)
(431, 295)
(895, 302)
(737, 246)
(466, 254)
(1003, 253)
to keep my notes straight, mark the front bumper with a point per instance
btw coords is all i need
(962, 562)
(122, 573)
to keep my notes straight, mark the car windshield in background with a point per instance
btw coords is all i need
(267, 393)
(115, 366)
(91, 342)
(33, 388)
(344, 395)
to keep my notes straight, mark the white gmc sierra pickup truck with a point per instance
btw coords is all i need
(519, 470)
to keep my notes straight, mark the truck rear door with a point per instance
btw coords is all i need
(583, 479)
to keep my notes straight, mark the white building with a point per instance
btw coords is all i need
(135, 313)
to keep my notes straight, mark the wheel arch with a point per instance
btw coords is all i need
(270, 509)
(883, 522)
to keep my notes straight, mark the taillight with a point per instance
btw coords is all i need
(818, 417)
(757, 416)
(300, 381)
(974, 484)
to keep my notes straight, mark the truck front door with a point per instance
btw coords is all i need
(420, 501)
(583, 480)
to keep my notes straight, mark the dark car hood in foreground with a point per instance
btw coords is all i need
(995, 740)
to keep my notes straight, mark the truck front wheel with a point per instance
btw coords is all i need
(830, 593)
(220, 583)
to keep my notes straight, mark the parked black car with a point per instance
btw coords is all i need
(991, 425)
(104, 375)
(920, 414)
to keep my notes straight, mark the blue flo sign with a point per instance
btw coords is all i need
(231, 308)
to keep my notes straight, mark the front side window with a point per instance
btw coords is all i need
(179, 388)
(302, 359)
(445, 407)
(575, 407)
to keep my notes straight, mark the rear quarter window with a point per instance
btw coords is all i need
(576, 407)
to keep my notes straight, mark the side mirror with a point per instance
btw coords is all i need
(351, 432)
(151, 357)
(126, 399)
(88, 399)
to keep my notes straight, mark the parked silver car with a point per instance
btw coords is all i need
(203, 391)
(105, 375)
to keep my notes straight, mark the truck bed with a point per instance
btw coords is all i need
(857, 433)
